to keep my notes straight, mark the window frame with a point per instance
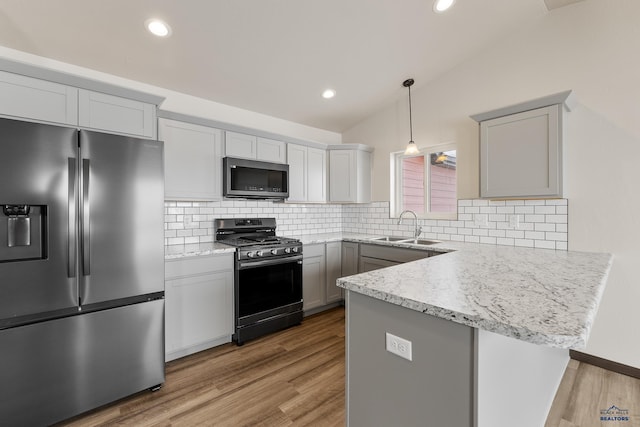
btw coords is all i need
(396, 196)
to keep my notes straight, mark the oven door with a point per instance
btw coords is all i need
(267, 288)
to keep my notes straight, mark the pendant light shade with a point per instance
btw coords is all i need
(412, 148)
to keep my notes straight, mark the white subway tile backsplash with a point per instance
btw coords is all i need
(524, 243)
(542, 223)
(544, 244)
(557, 202)
(545, 209)
(505, 241)
(562, 219)
(543, 226)
(524, 209)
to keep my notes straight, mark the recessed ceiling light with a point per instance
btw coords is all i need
(440, 6)
(157, 27)
(329, 93)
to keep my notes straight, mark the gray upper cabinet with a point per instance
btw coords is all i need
(521, 149)
(350, 174)
(246, 146)
(27, 98)
(114, 114)
(307, 174)
(270, 150)
(193, 160)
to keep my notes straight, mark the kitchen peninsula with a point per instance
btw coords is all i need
(490, 330)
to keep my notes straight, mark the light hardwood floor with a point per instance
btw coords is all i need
(292, 378)
(586, 390)
(296, 378)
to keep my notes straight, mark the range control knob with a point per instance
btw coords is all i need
(259, 253)
(250, 255)
(287, 250)
(274, 252)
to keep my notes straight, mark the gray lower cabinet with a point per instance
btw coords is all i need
(433, 389)
(313, 276)
(198, 304)
(334, 272)
(370, 264)
(373, 257)
(349, 258)
(321, 267)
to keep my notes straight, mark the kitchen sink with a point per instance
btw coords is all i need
(419, 241)
(390, 239)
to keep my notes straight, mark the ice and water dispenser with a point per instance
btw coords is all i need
(22, 232)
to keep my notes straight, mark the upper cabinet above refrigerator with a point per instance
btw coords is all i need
(128, 113)
(521, 149)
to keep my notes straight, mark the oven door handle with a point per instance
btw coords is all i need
(266, 262)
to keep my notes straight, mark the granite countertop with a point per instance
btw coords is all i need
(196, 249)
(540, 296)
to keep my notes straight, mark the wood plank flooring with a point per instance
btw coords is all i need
(586, 390)
(292, 378)
(297, 378)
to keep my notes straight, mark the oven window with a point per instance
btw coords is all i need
(267, 287)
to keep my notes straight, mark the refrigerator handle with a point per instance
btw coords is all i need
(71, 224)
(86, 219)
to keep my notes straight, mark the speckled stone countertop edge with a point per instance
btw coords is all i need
(173, 252)
(573, 330)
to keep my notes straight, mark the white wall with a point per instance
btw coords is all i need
(590, 47)
(186, 104)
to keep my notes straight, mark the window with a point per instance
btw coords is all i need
(425, 183)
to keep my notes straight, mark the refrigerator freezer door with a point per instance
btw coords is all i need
(121, 217)
(37, 169)
(64, 367)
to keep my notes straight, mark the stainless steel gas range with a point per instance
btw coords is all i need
(268, 276)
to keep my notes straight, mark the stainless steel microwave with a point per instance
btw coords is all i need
(252, 179)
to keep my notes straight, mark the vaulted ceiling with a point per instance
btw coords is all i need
(270, 56)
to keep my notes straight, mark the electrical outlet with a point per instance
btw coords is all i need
(399, 346)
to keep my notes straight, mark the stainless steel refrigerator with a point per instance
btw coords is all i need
(81, 270)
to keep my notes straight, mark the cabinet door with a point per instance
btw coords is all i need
(33, 99)
(198, 310)
(270, 150)
(521, 154)
(297, 156)
(193, 160)
(198, 303)
(240, 145)
(342, 176)
(349, 258)
(334, 271)
(370, 264)
(313, 277)
(316, 175)
(113, 114)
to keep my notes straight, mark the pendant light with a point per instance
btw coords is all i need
(412, 148)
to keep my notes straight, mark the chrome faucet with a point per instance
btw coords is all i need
(418, 229)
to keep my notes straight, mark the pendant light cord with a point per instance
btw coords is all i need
(410, 120)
